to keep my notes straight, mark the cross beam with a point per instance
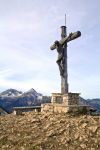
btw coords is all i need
(69, 38)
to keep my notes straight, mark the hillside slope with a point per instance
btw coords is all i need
(34, 131)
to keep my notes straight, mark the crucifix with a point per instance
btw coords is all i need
(61, 47)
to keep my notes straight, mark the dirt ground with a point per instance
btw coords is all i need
(45, 131)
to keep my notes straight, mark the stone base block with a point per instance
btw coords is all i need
(47, 107)
(66, 99)
(68, 102)
(61, 108)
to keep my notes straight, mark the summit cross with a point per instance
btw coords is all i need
(61, 47)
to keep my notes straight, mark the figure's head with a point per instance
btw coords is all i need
(57, 43)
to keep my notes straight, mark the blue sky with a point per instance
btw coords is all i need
(27, 30)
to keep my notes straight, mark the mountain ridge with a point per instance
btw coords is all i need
(13, 98)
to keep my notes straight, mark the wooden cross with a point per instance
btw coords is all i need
(61, 47)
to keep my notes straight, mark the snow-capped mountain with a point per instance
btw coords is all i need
(13, 98)
(33, 93)
(11, 93)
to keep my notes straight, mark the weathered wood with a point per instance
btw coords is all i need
(19, 110)
(26, 107)
(69, 38)
(61, 47)
(64, 78)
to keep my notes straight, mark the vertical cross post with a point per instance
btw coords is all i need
(64, 79)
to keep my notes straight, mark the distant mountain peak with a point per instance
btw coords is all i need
(31, 90)
(13, 98)
(11, 93)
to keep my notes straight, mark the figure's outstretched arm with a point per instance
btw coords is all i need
(69, 38)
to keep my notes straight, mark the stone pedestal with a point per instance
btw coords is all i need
(66, 99)
(71, 99)
(68, 102)
(56, 98)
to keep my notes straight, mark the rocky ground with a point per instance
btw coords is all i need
(33, 131)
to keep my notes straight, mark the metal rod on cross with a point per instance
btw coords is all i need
(65, 19)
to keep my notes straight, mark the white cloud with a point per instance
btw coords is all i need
(5, 73)
(28, 28)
